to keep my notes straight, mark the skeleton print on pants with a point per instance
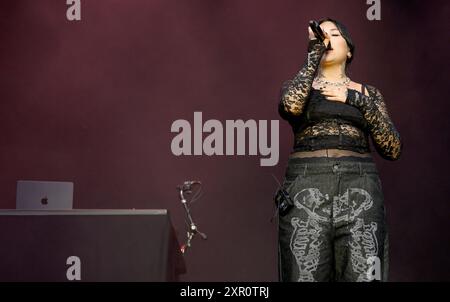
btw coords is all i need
(336, 230)
(345, 209)
(305, 242)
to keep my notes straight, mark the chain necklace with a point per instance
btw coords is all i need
(320, 81)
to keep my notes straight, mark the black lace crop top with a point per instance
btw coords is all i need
(319, 123)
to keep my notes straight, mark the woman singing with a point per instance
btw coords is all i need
(336, 229)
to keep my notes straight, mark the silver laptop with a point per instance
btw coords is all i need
(44, 195)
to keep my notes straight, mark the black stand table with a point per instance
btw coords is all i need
(90, 245)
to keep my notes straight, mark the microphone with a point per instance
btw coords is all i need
(317, 30)
(187, 185)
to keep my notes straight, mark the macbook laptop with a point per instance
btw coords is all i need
(44, 195)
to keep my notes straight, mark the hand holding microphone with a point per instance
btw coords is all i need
(316, 32)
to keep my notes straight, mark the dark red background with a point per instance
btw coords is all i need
(92, 102)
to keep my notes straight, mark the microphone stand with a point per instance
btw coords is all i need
(186, 188)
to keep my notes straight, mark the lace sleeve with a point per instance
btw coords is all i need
(384, 134)
(294, 93)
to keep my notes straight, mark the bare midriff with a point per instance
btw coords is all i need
(329, 153)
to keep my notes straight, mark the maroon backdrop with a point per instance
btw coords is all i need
(92, 102)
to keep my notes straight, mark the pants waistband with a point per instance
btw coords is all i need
(328, 159)
(324, 165)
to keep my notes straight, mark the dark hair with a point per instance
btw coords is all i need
(345, 35)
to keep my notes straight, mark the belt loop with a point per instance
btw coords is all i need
(304, 171)
(360, 169)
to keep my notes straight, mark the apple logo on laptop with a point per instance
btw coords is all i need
(44, 200)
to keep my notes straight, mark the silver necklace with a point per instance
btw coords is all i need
(322, 82)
